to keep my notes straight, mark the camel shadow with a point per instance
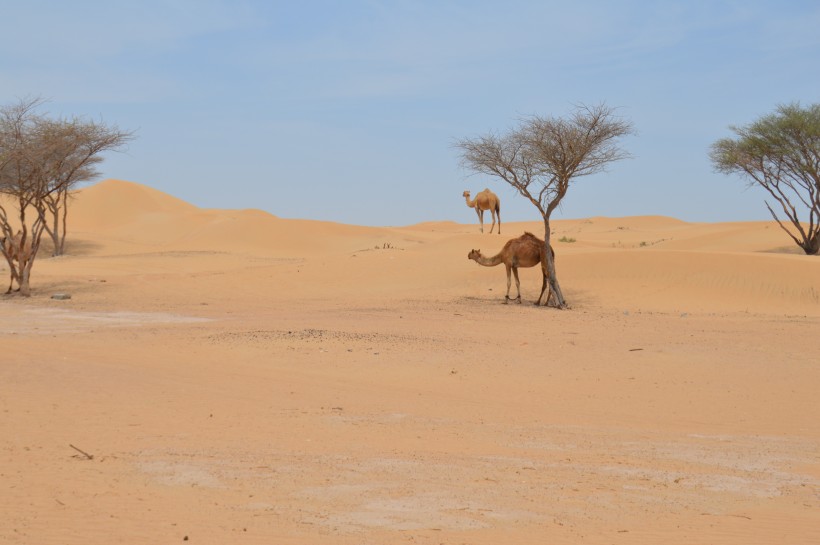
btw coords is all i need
(576, 300)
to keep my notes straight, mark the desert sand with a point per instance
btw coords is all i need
(235, 377)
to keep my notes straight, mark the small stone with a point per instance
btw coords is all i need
(61, 296)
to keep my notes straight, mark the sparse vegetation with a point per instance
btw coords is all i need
(780, 152)
(541, 157)
(40, 160)
(566, 239)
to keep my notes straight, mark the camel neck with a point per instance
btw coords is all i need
(488, 261)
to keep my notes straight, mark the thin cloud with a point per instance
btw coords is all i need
(79, 31)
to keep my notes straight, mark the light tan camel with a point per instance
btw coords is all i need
(485, 200)
(14, 250)
(524, 251)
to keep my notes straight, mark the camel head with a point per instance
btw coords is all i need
(474, 254)
(466, 194)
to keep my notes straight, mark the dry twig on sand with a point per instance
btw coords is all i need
(87, 455)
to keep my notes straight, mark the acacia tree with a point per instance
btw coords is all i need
(780, 152)
(544, 155)
(39, 158)
(76, 145)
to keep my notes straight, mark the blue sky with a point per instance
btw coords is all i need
(348, 110)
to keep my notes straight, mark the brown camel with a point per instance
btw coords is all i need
(524, 251)
(14, 250)
(485, 200)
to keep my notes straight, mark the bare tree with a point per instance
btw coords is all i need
(76, 145)
(542, 157)
(780, 152)
(39, 159)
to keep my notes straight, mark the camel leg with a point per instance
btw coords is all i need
(545, 286)
(507, 297)
(480, 213)
(492, 214)
(517, 284)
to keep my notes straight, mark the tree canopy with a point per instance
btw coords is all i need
(40, 160)
(780, 152)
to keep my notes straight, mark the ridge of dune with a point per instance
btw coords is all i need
(139, 214)
(250, 230)
(654, 221)
(114, 202)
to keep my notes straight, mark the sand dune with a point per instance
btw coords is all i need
(650, 262)
(241, 377)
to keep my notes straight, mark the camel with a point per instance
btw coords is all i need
(13, 249)
(485, 200)
(524, 251)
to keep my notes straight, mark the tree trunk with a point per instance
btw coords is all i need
(29, 247)
(61, 249)
(23, 280)
(57, 238)
(809, 242)
(812, 245)
(555, 288)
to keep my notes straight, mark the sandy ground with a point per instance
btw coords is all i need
(239, 378)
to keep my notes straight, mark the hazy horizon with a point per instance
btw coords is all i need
(349, 112)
